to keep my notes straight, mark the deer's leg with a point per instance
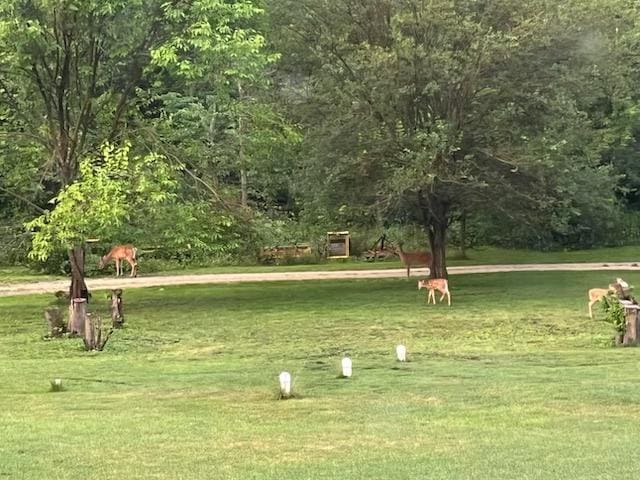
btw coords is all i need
(118, 268)
(449, 297)
(431, 295)
(134, 267)
(590, 310)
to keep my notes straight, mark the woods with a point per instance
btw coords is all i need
(210, 129)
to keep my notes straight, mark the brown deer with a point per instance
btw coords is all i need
(597, 294)
(433, 284)
(413, 259)
(119, 253)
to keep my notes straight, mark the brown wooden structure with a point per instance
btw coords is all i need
(631, 334)
(339, 244)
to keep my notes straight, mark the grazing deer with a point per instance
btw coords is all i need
(119, 253)
(413, 259)
(433, 284)
(597, 294)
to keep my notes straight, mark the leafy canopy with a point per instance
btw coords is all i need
(115, 190)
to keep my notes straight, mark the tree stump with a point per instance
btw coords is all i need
(94, 335)
(632, 325)
(57, 326)
(77, 315)
(117, 313)
(89, 332)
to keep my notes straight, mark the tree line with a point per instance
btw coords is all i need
(211, 127)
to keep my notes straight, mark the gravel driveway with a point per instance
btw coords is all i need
(156, 281)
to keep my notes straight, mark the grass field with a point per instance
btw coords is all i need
(513, 381)
(479, 256)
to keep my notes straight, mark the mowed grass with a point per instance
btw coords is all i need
(513, 381)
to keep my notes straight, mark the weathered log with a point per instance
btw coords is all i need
(117, 313)
(632, 325)
(94, 335)
(77, 315)
(89, 332)
(57, 326)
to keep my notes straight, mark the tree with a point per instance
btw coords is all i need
(429, 109)
(107, 194)
(71, 70)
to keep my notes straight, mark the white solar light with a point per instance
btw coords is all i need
(401, 353)
(285, 384)
(346, 367)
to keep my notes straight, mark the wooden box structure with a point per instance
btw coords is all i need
(338, 244)
(631, 335)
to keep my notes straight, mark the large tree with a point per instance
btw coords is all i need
(71, 72)
(429, 109)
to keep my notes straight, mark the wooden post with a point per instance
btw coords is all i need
(77, 315)
(89, 333)
(117, 314)
(54, 319)
(632, 325)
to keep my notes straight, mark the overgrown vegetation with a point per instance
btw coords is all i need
(510, 123)
(614, 313)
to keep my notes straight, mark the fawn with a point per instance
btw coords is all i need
(119, 253)
(414, 259)
(597, 294)
(621, 289)
(433, 284)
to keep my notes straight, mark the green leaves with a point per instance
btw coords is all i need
(211, 32)
(111, 191)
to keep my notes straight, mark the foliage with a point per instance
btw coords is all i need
(75, 74)
(111, 191)
(614, 313)
(418, 111)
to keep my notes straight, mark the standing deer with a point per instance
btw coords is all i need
(119, 253)
(433, 284)
(413, 259)
(597, 294)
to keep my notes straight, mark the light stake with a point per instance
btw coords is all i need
(285, 384)
(401, 353)
(346, 367)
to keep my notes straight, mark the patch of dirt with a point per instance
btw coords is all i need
(158, 281)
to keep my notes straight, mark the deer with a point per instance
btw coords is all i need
(413, 259)
(119, 253)
(433, 284)
(597, 294)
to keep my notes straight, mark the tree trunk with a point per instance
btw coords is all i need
(632, 326)
(77, 316)
(434, 211)
(437, 241)
(117, 315)
(244, 194)
(78, 288)
(463, 235)
(90, 333)
(57, 326)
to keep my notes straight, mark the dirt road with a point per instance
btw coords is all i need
(156, 281)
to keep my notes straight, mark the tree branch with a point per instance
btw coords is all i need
(24, 199)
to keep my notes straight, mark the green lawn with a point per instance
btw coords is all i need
(512, 381)
(479, 256)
